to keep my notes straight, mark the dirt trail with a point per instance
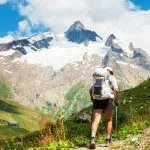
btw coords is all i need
(138, 142)
(98, 147)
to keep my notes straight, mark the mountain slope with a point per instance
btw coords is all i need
(134, 108)
(28, 119)
(28, 44)
(131, 65)
(47, 72)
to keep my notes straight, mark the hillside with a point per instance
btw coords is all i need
(133, 118)
(29, 119)
(133, 115)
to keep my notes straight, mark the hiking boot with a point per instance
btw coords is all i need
(108, 141)
(93, 144)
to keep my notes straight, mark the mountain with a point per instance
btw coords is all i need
(141, 58)
(25, 45)
(131, 64)
(54, 65)
(79, 34)
(109, 41)
(135, 55)
(113, 43)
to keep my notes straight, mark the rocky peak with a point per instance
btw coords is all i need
(77, 26)
(131, 48)
(109, 41)
(79, 34)
(141, 58)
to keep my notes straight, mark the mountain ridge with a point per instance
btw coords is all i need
(47, 71)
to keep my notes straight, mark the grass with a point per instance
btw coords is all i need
(11, 132)
(4, 89)
(133, 117)
(77, 98)
(28, 118)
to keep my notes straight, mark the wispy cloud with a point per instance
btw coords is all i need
(3, 2)
(121, 17)
(24, 27)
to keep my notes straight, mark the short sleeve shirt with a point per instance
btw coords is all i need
(113, 81)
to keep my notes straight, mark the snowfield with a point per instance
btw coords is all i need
(61, 52)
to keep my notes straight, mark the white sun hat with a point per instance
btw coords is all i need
(109, 68)
(99, 72)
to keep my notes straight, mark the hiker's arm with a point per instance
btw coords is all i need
(115, 89)
(116, 96)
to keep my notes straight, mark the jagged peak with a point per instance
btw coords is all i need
(77, 26)
(112, 36)
(110, 39)
(131, 47)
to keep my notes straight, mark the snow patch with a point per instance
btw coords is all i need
(41, 36)
(133, 66)
(10, 72)
(7, 53)
(2, 58)
(124, 63)
(121, 62)
(59, 56)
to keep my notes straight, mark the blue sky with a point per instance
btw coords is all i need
(9, 19)
(144, 4)
(11, 16)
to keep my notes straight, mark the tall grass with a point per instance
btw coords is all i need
(5, 90)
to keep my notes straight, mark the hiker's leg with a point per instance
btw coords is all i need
(109, 121)
(109, 117)
(96, 120)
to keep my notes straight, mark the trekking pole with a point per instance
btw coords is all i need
(92, 116)
(116, 117)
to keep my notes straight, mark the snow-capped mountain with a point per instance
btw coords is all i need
(136, 55)
(76, 33)
(28, 44)
(79, 34)
(48, 65)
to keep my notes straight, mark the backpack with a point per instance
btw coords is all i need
(101, 89)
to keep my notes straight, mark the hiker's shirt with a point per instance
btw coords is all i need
(113, 84)
(109, 86)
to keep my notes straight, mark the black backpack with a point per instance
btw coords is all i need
(97, 88)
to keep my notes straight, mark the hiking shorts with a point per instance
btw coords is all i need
(103, 104)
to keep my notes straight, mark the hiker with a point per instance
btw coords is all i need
(102, 93)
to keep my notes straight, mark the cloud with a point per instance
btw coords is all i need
(121, 17)
(6, 39)
(24, 27)
(3, 2)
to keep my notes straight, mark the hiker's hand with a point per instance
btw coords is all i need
(116, 92)
(117, 102)
(116, 99)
